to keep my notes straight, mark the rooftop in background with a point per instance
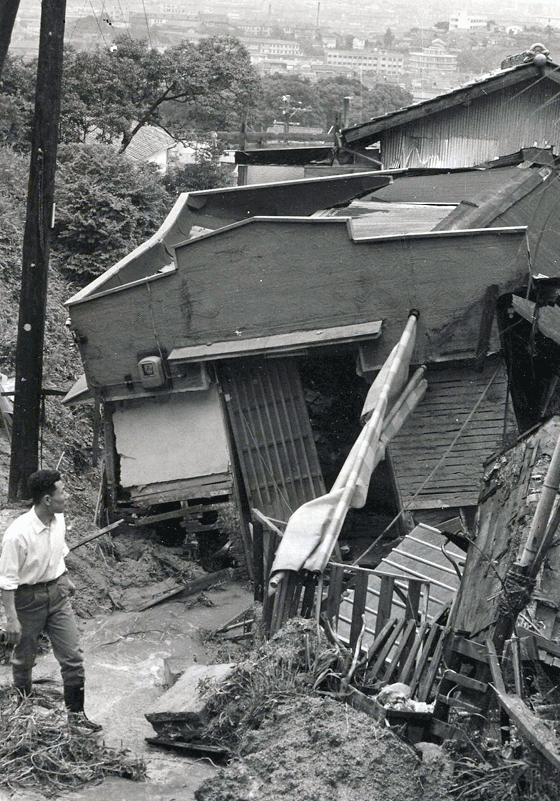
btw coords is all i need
(537, 68)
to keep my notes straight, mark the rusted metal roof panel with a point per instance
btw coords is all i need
(369, 218)
(449, 188)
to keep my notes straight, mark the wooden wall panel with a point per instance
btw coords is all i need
(273, 277)
(452, 393)
(512, 487)
(272, 433)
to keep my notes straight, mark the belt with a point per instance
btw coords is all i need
(41, 583)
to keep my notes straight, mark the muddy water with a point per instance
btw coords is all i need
(124, 655)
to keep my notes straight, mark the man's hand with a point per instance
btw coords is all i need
(71, 586)
(13, 630)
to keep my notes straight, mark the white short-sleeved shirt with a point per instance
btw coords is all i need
(32, 552)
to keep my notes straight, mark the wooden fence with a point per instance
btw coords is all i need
(385, 617)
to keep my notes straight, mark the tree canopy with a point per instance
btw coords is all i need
(106, 205)
(116, 91)
(316, 104)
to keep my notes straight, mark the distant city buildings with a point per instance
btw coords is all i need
(463, 21)
(383, 61)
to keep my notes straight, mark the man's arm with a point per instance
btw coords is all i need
(13, 626)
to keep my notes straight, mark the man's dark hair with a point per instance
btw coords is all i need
(42, 483)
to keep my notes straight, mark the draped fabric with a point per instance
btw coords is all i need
(313, 529)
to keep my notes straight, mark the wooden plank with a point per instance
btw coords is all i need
(458, 703)
(309, 591)
(408, 666)
(531, 726)
(402, 648)
(495, 669)
(385, 602)
(427, 681)
(422, 662)
(258, 560)
(191, 748)
(384, 652)
(174, 590)
(380, 639)
(358, 608)
(542, 642)
(445, 730)
(149, 519)
(465, 681)
(96, 535)
(470, 648)
(335, 589)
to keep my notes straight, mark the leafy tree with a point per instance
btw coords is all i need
(106, 205)
(205, 173)
(388, 38)
(364, 104)
(17, 96)
(187, 87)
(271, 104)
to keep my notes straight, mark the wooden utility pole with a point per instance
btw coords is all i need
(36, 244)
(8, 12)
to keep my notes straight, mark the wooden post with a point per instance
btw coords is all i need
(258, 559)
(8, 12)
(36, 245)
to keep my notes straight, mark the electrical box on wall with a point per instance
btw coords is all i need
(152, 372)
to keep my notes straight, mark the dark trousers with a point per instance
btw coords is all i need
(46, 608)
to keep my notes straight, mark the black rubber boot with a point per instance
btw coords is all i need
(74, 700)
(22, 685)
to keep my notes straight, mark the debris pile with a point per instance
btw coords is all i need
(317, 749)
(38, 749)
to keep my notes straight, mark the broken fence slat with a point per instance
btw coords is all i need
(410, 660)
(380, 638)
(358, 608)
(534, 729)
(397, 656)
(431, 673)
(383, 654)
(96, 535)
(421, 664)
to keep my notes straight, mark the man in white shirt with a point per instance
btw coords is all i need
(35, 592)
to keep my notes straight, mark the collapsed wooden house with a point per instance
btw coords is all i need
(231, 353)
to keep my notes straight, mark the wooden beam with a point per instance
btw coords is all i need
(96, 535)
(36, 248)
(531, 726)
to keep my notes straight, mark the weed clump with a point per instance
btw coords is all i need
(291, 664)
(38, 749)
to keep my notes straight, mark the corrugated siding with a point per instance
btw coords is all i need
(272, 434)
(418, 556)
(451, 395)
(488, 127)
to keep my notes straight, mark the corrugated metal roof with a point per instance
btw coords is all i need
(418, 556)
(147, 142)
(368, 131)
(452, 187)
(369, 218)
